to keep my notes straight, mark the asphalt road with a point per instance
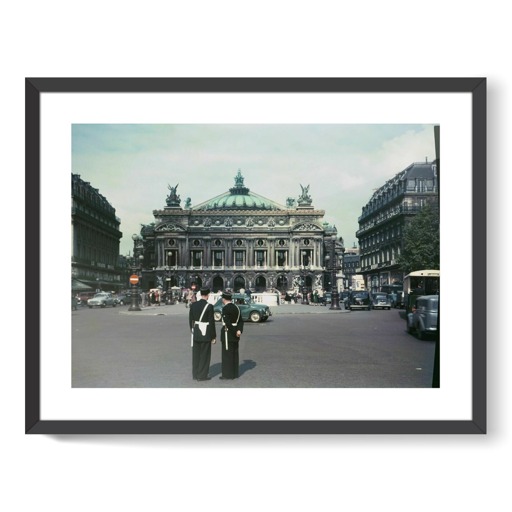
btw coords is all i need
(298, 347)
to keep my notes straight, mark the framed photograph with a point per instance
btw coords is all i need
(296, 174)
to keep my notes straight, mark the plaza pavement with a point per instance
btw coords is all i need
(282, 309)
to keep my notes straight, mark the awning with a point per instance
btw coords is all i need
(77, 285)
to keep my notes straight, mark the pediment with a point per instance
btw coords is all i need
(169, 226)
(307, 226)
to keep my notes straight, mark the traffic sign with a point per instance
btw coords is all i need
(134, 279)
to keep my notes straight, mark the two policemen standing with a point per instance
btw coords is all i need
(203, 335)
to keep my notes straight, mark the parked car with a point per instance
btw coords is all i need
(252, 311)
(423, 318)
(326, 298)
(102, 299)
(83, 297)
(381, 301)
(123, 298)
(359, 300)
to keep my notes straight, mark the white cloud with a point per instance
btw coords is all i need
(132, 165)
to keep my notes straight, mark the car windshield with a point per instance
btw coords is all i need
(360, 294)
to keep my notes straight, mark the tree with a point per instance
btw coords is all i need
(421, 241)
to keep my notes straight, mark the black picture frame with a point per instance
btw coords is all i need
(35, 87)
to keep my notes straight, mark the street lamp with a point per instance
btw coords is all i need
(136, 269)
(332, 258)
(303, 272)
(168, 280)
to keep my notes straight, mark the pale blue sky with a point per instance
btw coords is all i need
(132, 165)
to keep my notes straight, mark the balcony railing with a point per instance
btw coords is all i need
(221, 268)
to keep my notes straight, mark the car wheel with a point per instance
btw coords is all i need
(114, 305)
(90, 307)
(254, 316)
(217, 316)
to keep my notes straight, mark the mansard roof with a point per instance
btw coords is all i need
(239, 197)
(425, 170)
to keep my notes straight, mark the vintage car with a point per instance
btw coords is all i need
(83, 297)
(102, 299)
(359, 300)
(123, 298)
(422, 320)
(249, 310)
(381, 301)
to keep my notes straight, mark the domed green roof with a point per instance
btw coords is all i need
(239, 197)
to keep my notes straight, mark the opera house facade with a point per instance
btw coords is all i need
(238, 240)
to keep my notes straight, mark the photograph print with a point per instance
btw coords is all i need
(309, 254)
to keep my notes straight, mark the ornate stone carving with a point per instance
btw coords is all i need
(169, 226)
(304, 198)
(173, 199)
(307, 226)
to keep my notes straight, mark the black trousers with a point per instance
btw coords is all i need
(230, 360)
(201, 355)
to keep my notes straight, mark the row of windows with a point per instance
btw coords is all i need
(239, 242)
(109, 220)
(420, 185)
(385, 255)
(84, 234)
(239, 258)
(389, 234)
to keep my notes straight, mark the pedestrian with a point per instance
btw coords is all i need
(232, 328)
(203, 335)
(191, 296)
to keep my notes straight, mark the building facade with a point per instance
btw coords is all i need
(95, 239)
(351, 266)
(237, 240)
(384, 217)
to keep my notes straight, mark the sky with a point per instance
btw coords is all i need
(132, 165)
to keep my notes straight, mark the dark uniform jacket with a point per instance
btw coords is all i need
(231, 315)
(206, 331)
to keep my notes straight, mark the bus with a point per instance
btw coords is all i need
(420, 282)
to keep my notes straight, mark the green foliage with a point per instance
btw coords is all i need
(421, 241)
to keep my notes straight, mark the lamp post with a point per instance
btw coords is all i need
(168, 280)
(135, 281)
(136, 270)
(303, 271)
(332, 258)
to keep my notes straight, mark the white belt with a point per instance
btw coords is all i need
(226, 333)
